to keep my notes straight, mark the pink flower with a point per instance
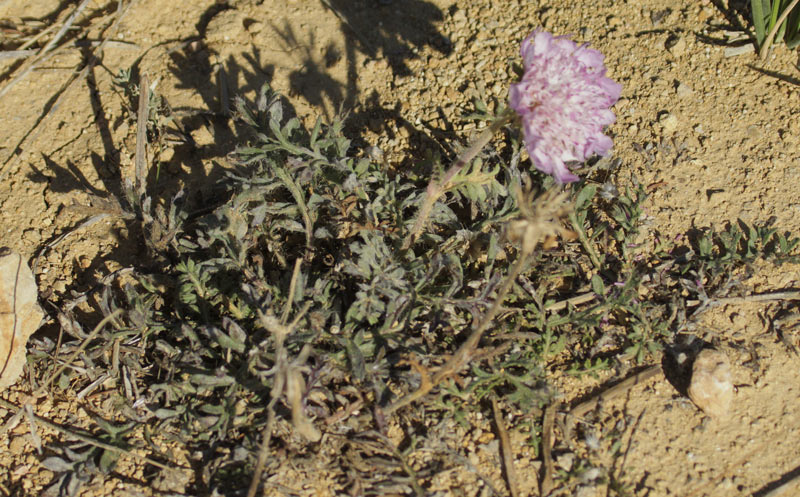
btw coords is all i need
(564, 101)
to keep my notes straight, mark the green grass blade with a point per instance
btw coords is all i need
(782, 29)
(757, 6)
(773, 16)
(793, 27)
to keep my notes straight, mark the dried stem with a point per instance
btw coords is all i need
(508, 453)
(763, 297)
(263, 453)
(547, 447)
(538, 219)
(587, 244)
(437, 188)
(46, 385)
(288, 380)
(141, 137)
(467, 349)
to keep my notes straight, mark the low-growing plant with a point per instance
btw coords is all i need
(325, 285)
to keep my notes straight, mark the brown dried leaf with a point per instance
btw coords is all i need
(20, 315)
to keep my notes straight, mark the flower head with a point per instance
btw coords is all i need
(564, 100)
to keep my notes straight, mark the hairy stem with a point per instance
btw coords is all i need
(437, 188)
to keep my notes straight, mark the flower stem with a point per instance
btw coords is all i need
(587, 244)
(437, 188)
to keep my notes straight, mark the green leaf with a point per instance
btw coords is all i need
(356, 359)
(108, 460)
(225, 341)
(585, 196)
(211, 381)
(597, 285)
(759, 18)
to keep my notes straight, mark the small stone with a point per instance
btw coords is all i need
(167, 154)
(565, 461)
(676, 46)
(253, 26)
(668, 121)
(20, 315)
(17, 445)
(172, 480)
(683, 90)
(711, 387)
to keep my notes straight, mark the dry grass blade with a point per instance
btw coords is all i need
(141, 136)
(505, 447)
(46, 385)
(763, 297)
(547, 447)
(574, 301)
(620, 388)
(17, 54)
(33, 39)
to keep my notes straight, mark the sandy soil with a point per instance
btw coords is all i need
(715, 138)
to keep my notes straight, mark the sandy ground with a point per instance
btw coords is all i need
(714, 138)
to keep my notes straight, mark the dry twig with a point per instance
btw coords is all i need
(538, 220)
(508, 453)
(763, 297)
(547, 447)
(621, 387)
(141, 137)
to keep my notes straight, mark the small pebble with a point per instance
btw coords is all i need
(676, 47)
(669, 122)
(711, 387)
(565, 461)
(683, 90)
